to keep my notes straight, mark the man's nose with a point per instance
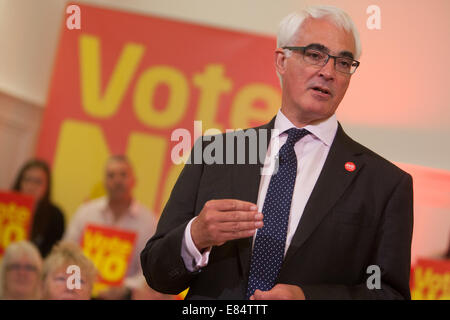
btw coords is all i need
(328, 71)
(22, 272)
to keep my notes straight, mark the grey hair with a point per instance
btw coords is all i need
(14, 251)
(291, 24)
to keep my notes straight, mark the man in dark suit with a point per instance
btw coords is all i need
(329, 220)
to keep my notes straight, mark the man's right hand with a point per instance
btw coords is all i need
(224, 220)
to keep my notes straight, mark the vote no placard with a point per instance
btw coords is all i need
(430, 279)
(110, 249)
(16, 213)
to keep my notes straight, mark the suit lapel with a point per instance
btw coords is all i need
(249, 178)
(246, 180)
(330, 186)
(333, 180)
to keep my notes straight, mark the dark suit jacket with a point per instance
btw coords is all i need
(352, 220)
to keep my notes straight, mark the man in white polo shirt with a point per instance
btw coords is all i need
(117, 210)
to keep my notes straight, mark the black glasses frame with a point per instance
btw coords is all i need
(303, 49)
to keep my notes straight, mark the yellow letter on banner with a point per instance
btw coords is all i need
(177, 102)
(79, 162)
(243, 111)
(113, 267)
(211, 84)
(90, 74)
(147, 153)
(12, 232)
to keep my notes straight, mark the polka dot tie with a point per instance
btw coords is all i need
(268, 250)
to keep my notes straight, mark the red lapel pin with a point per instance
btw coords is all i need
(350, 166)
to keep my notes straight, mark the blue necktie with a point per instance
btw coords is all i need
(268, 250)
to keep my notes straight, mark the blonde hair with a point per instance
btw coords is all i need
(14, 251)
(68, 253)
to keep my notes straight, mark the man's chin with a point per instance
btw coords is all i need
(315, 115)
(318, 111)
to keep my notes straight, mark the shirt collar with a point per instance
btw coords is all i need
(133, 209)
(324, 130)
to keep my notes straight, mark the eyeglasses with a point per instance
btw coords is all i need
(319, 58)
(25, 267)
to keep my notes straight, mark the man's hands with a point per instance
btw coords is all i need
(224, 220)
(280, 292)
(228, 219)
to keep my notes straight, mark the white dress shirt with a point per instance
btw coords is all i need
(311, 151)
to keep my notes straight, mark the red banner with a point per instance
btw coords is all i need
(16, 216)
(124, 82)
(430, 280)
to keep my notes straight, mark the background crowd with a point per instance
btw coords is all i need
(38, 268)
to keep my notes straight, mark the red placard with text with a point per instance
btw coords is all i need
(430, 280)
(16, 216)
(110, 249)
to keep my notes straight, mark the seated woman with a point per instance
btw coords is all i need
(67, 274)
(20, 272)
(48, 223)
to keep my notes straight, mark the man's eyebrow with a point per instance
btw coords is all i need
(346, 54)
(321, 47)
(318, 46)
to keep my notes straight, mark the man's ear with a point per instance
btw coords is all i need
(280, 61)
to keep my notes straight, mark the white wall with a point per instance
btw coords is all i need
(29, 31)
(19, 124)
